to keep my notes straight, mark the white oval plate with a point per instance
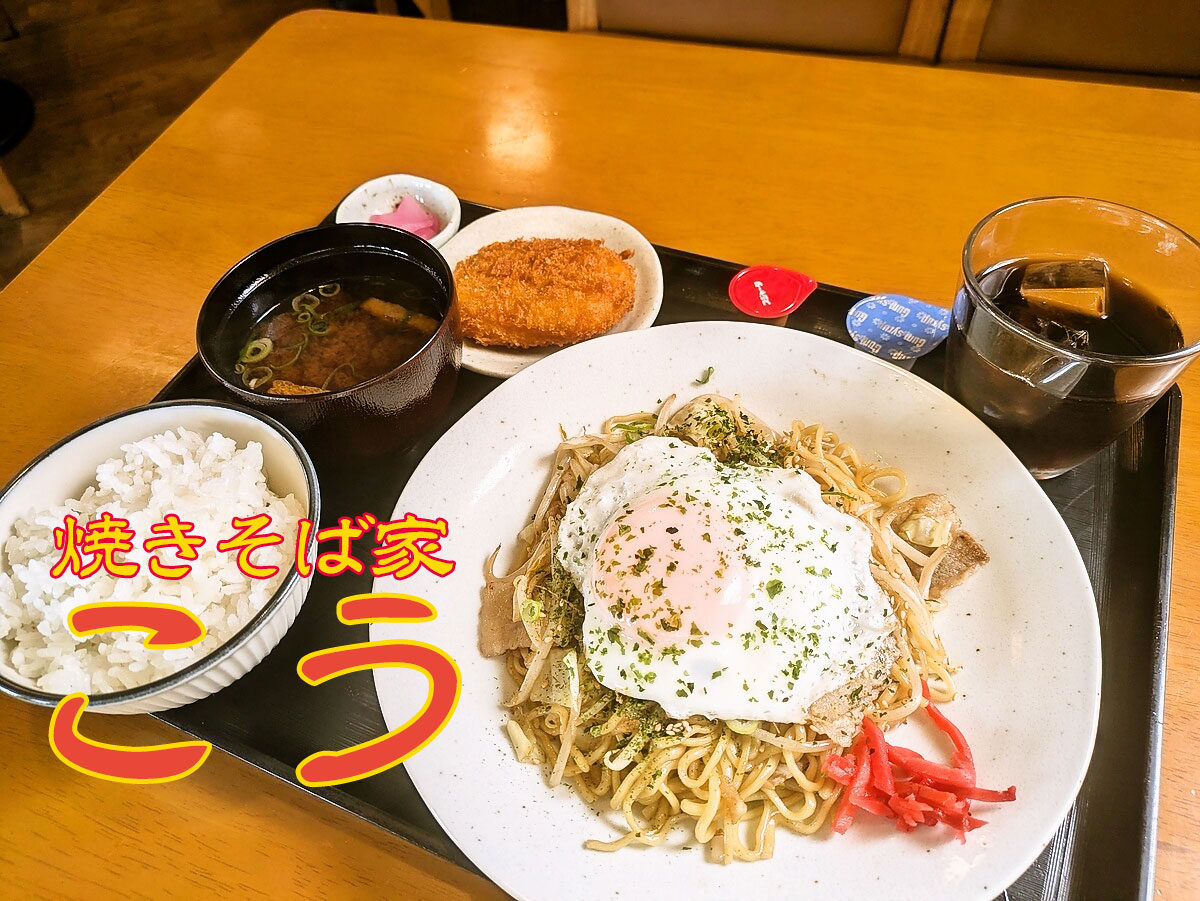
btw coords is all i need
(1024, 627)
(557, 222)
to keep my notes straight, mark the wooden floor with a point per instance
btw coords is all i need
(106, 77)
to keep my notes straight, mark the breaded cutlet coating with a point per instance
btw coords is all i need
(543, 291)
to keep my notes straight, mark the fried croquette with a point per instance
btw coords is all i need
(543, 291)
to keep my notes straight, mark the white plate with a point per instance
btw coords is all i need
(557, 222)
(1024, 627)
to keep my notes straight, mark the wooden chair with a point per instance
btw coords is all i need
(1139, 37)
(11, 202)
(877, 27)
(16, 118)
(430, 9)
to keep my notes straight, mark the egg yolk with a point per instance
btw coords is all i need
(669, 566)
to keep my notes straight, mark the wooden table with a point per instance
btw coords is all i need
(864, 174)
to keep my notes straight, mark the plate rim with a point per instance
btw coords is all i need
(886, 369)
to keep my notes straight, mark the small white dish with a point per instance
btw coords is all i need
(380, 195)
(68, 467)
(557, 222)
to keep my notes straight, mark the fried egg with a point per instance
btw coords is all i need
(727, 591)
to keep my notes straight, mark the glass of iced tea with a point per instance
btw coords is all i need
(1072, 317)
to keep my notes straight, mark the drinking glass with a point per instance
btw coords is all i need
(1055, 406)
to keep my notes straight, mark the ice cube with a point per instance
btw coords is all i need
(1078, 287)
(1062, 335)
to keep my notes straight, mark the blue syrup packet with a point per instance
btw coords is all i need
(897, 328)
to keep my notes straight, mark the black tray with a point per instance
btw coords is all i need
(1119, 507)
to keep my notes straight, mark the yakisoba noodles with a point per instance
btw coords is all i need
(728, 778)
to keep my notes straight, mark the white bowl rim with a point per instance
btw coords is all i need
(243, 635)
(372, 187)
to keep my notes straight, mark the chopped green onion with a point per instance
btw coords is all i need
(531, 610)
(707, 374)
(304, 316)
(299, 348)
(257, 377)
(258, 349)
(329, 379)
(849, 497)
(307, 301)
(342, 309)
(318, 326)
(331, 290)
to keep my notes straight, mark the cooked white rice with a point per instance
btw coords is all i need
(205, 481)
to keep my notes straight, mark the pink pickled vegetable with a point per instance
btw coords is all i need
(411, 216)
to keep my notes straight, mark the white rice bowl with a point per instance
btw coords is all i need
(206, 481)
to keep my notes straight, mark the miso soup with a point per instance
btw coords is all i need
(338, 335)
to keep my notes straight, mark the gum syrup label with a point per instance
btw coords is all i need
(896, 327)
